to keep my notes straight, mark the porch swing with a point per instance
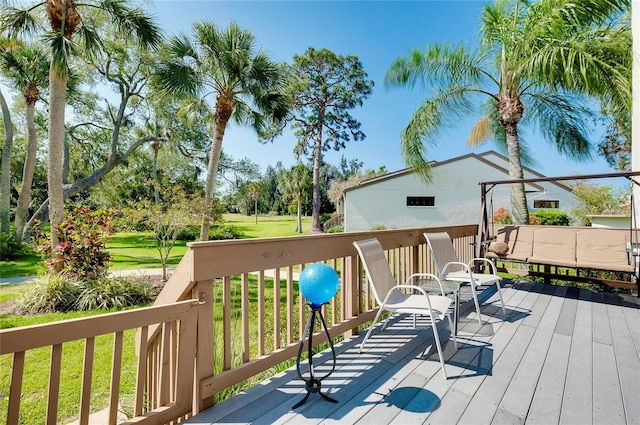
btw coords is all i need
(613, 252)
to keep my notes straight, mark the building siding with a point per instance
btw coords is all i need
(381, 202)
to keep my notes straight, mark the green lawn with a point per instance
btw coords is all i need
(136, 250)
(267, 226)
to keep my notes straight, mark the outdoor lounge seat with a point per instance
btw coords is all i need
(450, 268)
(406, 298)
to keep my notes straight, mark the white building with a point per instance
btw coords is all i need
(401, 200)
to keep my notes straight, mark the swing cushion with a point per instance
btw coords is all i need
(519, 241)
(603, 249)
(499, 248)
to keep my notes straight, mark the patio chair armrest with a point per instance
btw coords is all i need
(467, 268)
(411, 287)
(488, 261)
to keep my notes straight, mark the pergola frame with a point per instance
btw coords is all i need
(487, 186)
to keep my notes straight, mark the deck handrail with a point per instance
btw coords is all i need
(219, 286)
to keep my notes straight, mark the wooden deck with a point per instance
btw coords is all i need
(559, 356)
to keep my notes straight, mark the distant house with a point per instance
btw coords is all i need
(401, 200)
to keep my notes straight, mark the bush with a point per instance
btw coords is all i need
(552, 218)
(189, 233)
(11, 247)
(133, 220)
(224, 231)
(542, 217)
(324, 217)
(502, 216)
(81, 251)
(335, 229)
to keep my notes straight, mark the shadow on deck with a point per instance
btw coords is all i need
(560, 355)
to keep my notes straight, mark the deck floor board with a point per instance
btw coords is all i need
(559, 355)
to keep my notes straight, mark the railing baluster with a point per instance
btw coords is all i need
(290, 301)
(276, 309)
(87, 374)
(334, 300)
(141, 375)
(15, 393)
(301, 310)
(244, 317)
(164, 362)
(116, 372)
(261, 294)
(226, 321)
(54, 384)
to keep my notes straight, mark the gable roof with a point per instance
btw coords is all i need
(482, 157)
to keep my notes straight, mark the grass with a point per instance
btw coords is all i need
(268, 226)
(136, 250)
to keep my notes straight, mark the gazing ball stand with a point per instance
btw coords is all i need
(318, 284)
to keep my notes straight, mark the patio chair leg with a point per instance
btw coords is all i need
(452, 329)
(438, 346)
(504, 310)
(475, 301)
(366, 337)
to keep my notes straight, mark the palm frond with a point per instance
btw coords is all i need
(61, 51)
(24, 63)
(562, 119)
(129, 19)
(439, 66)
(16, 22)
(90, 40)
(482, 131)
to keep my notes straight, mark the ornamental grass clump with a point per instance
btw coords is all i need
(63, 293)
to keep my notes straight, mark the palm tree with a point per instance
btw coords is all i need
(499, 81)
(27, 67)
(293, 184)
(68, 19)
(255, 190)
(246, 84)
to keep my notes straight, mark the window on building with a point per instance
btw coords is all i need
(421, 201)
(542, 203)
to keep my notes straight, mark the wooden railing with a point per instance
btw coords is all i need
(257, 324)
(172, 391)
(236, 305)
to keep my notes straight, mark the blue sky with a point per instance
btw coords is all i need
(378, 32)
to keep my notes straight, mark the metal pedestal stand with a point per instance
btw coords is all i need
(314, 384)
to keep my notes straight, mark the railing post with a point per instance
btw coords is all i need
(352, 284)
(203, 292)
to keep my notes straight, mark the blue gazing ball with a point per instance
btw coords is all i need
(319, 283)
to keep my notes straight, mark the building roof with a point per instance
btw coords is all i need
(482, 157)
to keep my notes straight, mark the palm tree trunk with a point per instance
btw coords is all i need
(27, 173)
(212, 173)
(519, 209)
(57, 103)
(5, 167)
